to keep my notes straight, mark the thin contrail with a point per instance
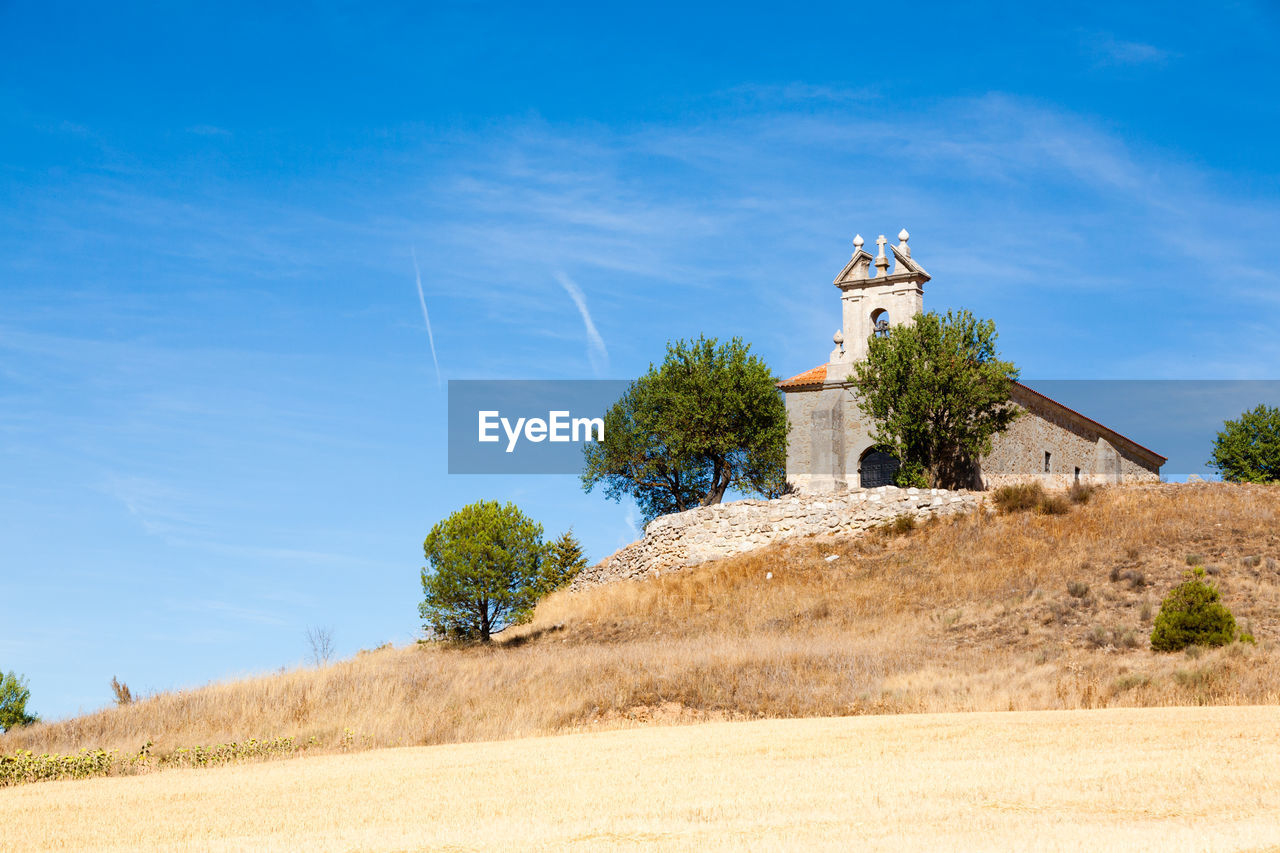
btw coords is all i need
(422, 300)
(599, 354)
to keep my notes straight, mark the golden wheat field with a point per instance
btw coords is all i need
(1132, 779)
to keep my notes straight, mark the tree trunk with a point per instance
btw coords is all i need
(719, 484)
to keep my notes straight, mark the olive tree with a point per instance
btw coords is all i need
(936, 391)
(1248, 450)
(708, 419)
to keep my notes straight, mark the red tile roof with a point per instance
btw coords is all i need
(816, 376)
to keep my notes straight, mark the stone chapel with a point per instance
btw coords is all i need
(829, 446)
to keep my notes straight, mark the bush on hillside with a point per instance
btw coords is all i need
(1028, 497)
(1018, 497)
(1192, 614)
(1081, 492)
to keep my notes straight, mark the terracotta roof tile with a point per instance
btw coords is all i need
(816, 376)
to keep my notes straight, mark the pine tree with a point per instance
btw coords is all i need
(565, 558)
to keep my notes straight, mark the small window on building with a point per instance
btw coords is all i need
(1077, 475)
(1046, 462)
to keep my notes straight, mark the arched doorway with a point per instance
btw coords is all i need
(877, 468)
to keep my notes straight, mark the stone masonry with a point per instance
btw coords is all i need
(685, 539)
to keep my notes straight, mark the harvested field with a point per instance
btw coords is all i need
(1131, 779)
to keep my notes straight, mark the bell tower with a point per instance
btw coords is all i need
(872, 303)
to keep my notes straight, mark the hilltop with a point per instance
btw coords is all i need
(976, 612)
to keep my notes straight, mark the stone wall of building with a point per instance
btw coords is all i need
(826, 439)
(829, 433)
(1078, 450)
(695, 536)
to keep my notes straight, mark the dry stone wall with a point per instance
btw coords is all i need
(695, 536)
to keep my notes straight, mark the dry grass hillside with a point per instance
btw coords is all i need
(981, 612)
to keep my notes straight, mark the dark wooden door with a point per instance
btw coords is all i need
(877, 469)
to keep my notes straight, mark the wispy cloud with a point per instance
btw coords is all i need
(163, 510)
(1016, 205)
(596, 349)
(1109, 50)
(236, 612)
(633, 529)
(426, 318)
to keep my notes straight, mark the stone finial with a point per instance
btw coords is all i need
(882, 261)
(838, 338)
(857, 243)
(903, 237)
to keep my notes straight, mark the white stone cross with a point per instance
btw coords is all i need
(882, 262)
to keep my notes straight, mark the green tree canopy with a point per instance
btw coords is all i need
(565, 558)
(485, 571)
(1248, 450)
(13, 702)
(708, 419)
(936, 392)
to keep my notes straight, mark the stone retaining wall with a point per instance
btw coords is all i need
(695, 536)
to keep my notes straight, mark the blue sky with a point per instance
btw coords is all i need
(220, 419)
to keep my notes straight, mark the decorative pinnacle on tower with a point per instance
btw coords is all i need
(857, 244)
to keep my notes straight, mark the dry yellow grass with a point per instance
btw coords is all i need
(971, 614)
(1131, 779)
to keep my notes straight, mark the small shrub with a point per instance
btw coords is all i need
(1080, 493)
(1130, 681)
(1195, 559)
(1129, 640)
(1144, 612)
(1213, 569)
(1251, 562)
(1019, 497)
(1098, 636)
(1077, 589)
(1196, 679)
(900, 525)
(1192, 614)
(1025, 497)
(1054, 505)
